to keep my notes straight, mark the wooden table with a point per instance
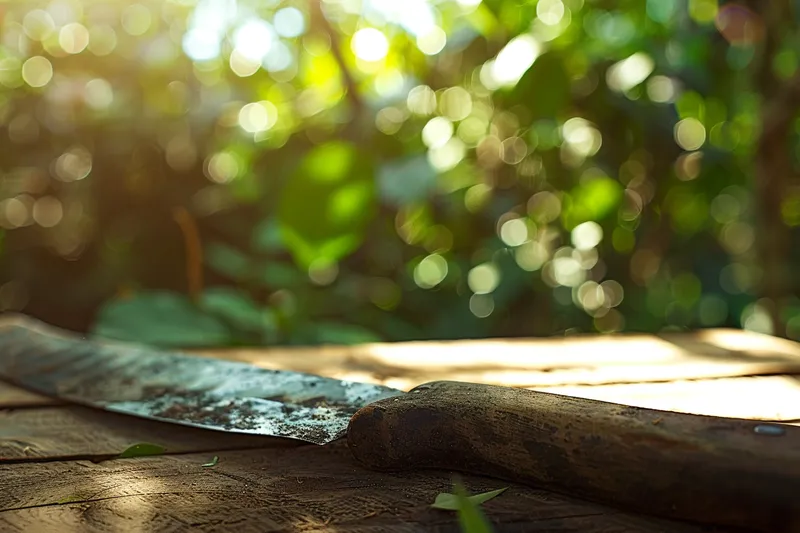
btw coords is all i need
(57, 471)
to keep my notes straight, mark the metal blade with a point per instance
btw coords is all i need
(181, 388)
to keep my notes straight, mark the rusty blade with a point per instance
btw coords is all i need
(181, 388)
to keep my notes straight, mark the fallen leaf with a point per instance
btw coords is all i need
(449, 502)
(470, 516)
(213, 462)
(141, 450)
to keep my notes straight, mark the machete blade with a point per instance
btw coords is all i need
(181, 388)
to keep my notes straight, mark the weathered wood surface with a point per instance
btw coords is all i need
(47, 483)
(16, 397)
(270, 490)
(541, 362)
(528, 362)
(73, 431)
(676, 465)
(775, 398)
(69, 431)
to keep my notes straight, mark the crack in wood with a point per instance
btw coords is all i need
(103, 457)
(106, 498)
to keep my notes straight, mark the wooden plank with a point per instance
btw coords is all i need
(311, 488)
(11, 396)
(535, 362)
(541, 362)
(79, 431)
(775, 398)
(83, 432)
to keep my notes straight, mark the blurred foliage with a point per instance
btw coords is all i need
(217, 172)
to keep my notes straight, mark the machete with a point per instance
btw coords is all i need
(713, 470)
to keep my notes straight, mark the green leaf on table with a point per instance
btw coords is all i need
(470, 516)
(212, 462)
(143, 449)
(160, 318)
(449, 502)
(327, 204)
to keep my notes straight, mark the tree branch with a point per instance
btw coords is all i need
(323, 25)
(780, 105)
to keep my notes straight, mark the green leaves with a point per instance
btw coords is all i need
(406, 180)
(142, 449)
(592, 200)
(325, 207)
(544, 88)
(236, 308)
(335, 333)
(212, 462)
(450, 502)
(470, 516)
(162, 319)
(688, 208)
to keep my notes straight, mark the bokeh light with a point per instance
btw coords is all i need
(37, 71)
(223, 167)
(258, 116)
(370, 44)
(630, 72)
(289, 22)
(136, 19)
(73, 38)
(576, 166)
(483, 279)
(431, 271)
(690, 134)
(511, 63)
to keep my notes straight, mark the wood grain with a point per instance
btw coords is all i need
(774, 398)
(11, 396)
(46, 485)
(74, 431)
(524, 362)
(540, 362)
(705, 469)
(303, 489)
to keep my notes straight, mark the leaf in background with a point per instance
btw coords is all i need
(267, 237)
(142, 449)
(335, 333)
(688, 209)
(406, 180)
(227, 261)
(326, 205)
(545, 88)
(161, 319)
(236, 307)
(592, 200)
(483, 20)
(449, 502)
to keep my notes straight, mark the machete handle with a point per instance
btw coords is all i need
(723, 471)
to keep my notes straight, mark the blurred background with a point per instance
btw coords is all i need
(267, 172)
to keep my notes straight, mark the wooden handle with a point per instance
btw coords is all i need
(706, 469)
